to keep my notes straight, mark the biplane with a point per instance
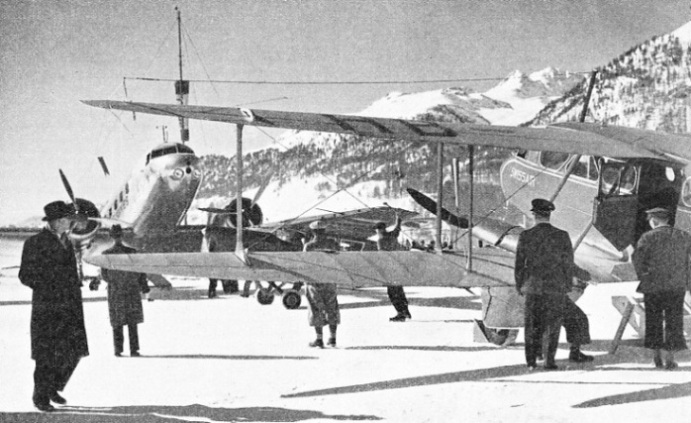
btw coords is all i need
(601, 179)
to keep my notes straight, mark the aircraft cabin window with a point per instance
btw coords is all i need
(553, 160)
(127, 188)
(618, 179)
(184, 149)
(115, 204)
(686, 192)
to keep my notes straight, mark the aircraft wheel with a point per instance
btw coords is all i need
(503, 337)
(264, 296)
(291, 300)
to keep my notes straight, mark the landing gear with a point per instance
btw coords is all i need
(265, 296)
(291, 299)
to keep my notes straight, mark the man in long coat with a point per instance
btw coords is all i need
(124, 297)
(58, 335)
(663, 260)
(544, 272)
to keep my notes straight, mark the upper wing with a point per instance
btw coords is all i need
(491, 267)
(573, 138)
(354, 224)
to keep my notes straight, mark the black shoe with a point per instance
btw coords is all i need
(117, 354)
(578, 357)
(551, 366)
(45, 407)
(408, 315)
(398, 318)
(317, 343)
(135, 354)
(332, 342)
(671, 365)
(58, 399)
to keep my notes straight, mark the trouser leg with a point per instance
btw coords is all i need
(552, 320)
(674, 322)
(398, 298)
(134, 337)
(532, 327)
(44, 382)
(576, 324)
(118, 339)
(654, 334)
(64, 373)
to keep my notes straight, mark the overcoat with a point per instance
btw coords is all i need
(57, 316)
(544, 261)
(124, 291)
(662, 261)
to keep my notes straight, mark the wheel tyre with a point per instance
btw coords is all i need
(292, 300)
(265, 297)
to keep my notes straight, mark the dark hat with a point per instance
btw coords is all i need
(380, 225)
(116, 231)
(658, 212)
(57, 210)
(542, 206)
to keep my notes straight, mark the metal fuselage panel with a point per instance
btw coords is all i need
(156, 197)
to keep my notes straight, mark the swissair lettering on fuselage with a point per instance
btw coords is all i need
(522, 177)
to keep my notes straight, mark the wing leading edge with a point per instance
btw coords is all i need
(573, 138)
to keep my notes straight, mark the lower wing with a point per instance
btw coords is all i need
(491, 267)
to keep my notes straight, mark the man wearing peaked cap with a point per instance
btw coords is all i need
(662, 260)
(58, 334)
(542, 206)
(544, 273)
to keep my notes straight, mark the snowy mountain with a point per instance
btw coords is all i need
(341, 172)
(648, 86)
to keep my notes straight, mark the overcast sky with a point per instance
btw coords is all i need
(55, 53)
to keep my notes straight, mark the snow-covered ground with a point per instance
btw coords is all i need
(231, 359)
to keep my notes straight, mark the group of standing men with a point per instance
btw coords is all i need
(544, 273)
(58, 333)
(545, 270)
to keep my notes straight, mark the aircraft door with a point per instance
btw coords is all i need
(616, 206)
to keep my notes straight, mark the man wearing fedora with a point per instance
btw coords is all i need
(662, 260)
(322, 297)
(388, 241)
(124, 297)
(58, 335)
(544, 274)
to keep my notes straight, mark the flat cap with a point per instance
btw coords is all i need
(542, 206)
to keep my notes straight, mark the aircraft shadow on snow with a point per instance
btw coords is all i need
(175, 414)
(630, 351)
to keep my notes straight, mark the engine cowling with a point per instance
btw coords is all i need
(85, 228)
(252, 215)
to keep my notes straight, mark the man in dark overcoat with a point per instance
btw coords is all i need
(58, 335)
(388, 241)
(662, 261)
(544, 271)
(124, 297)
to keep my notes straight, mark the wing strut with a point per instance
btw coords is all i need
(471, 153)
(440, 193)
(239, 247)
